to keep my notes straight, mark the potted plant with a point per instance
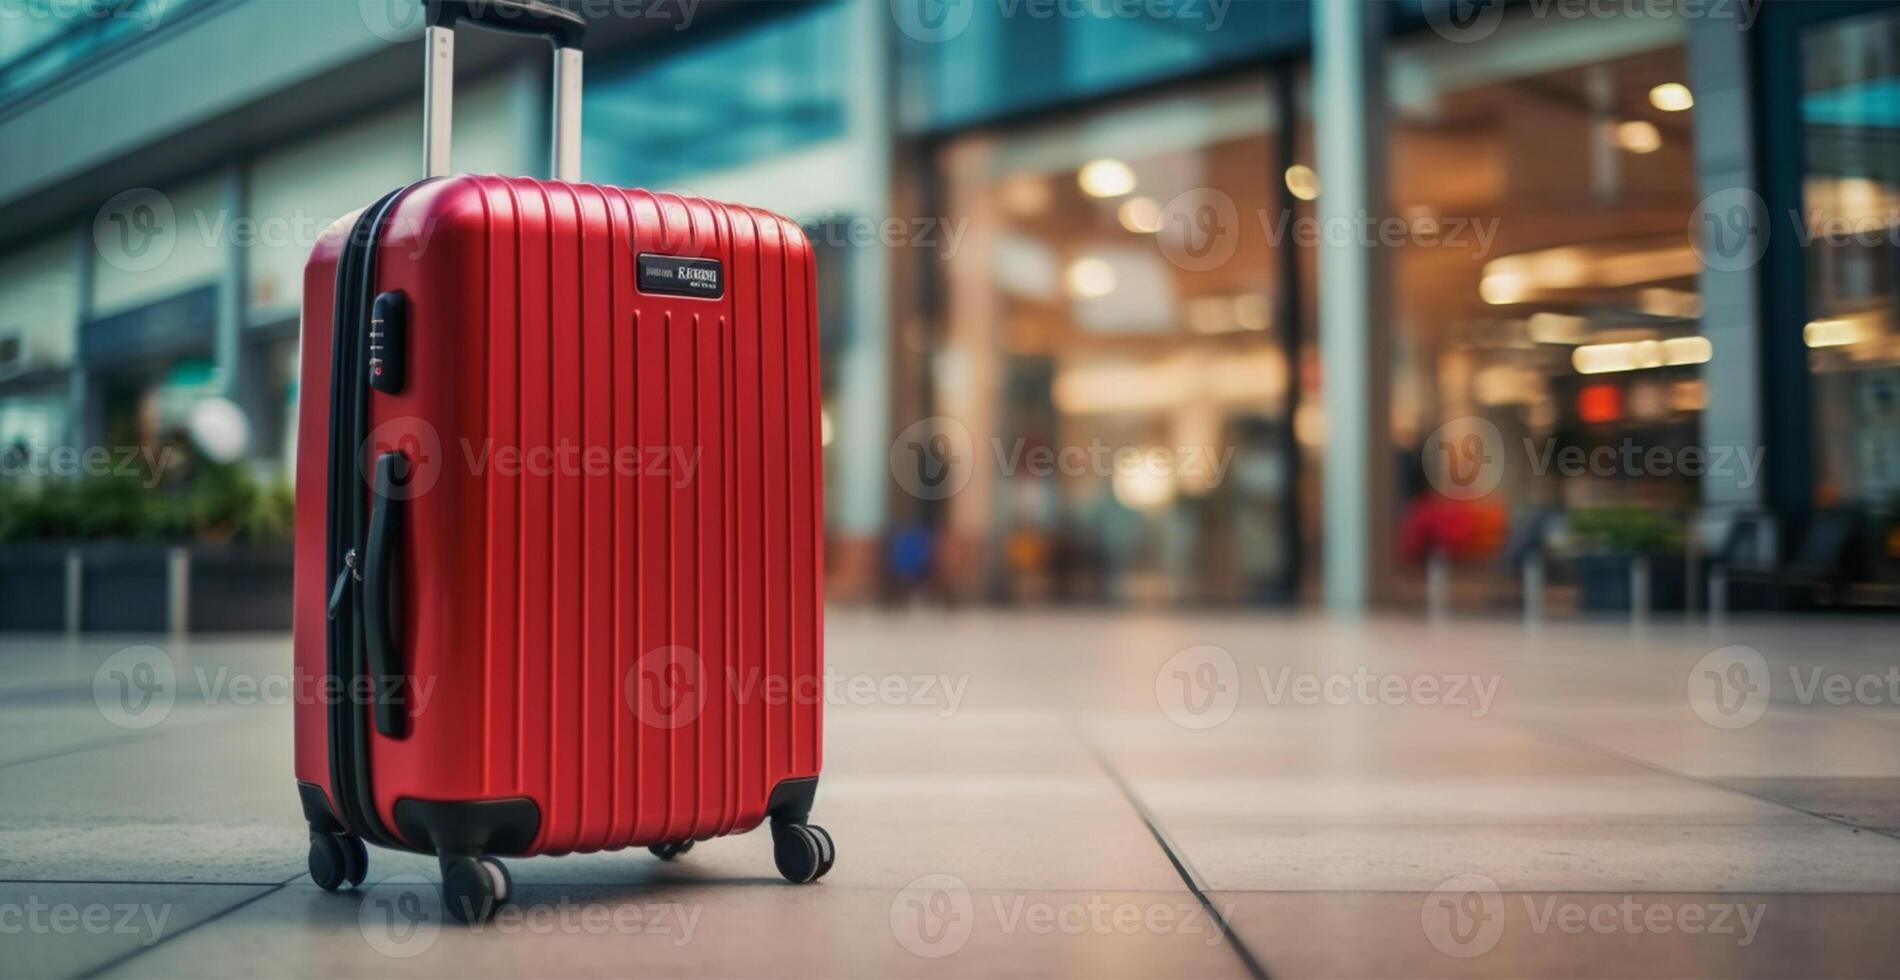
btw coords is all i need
(241, 567)
(1617, 549)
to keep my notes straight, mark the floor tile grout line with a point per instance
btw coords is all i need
(103, 743)
(1189, 876)
(130, 955)
(1659, 769)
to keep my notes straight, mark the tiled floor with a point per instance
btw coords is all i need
(1083, 794)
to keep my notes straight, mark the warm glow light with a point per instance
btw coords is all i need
(1504, 288)
(1678, 351)
(1556, 328)
(1106, 178)
(1090, 278)
(1638, 136)
(1025, 195)
(1165, 385)
(1524, 277)
(1250, 311)
(1638, 355)
(1836, 332)
(1144, 488)
(824, 427)
(1671, 97)
(1302, 181)
(1140, 215)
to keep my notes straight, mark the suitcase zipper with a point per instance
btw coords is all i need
(343, 578)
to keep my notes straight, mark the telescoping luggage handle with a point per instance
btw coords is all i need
(537, 18)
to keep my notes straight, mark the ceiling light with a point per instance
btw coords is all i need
(1302, 181)
(1106, 178)
(1140, 215)
(1638, 136)
(1671, 97)
(1090, 278)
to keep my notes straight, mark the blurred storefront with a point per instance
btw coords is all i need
(1083, 234)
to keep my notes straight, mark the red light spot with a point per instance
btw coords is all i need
(1600, 403)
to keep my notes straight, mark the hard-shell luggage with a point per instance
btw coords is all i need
(559, 516)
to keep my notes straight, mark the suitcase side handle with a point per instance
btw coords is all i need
(535, 18)
(386, 687)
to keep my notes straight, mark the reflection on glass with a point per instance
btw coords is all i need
(1110, 344)
(1850, 113)
(756, 95)
(1566, 311)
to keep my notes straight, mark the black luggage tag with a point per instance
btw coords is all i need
(681, 275)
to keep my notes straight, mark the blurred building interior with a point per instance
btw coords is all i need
(1005, 208)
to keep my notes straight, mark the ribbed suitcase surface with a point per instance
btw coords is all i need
(609, 584)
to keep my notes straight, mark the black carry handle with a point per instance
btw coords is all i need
(538, 18)
(387, 687)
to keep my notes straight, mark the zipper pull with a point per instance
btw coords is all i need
(343, 578)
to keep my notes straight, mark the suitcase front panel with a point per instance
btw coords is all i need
(613, 582)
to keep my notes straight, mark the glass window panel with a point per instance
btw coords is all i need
(1111, 345)
(973, 60)
(1566, 312)
(1850, 111)
(744, 98)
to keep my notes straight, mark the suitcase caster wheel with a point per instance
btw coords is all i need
(358, 856)
(336, 859)
(473, 888)
(669, 852)
(802, 852)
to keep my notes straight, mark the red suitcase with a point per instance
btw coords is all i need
(559, 516)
